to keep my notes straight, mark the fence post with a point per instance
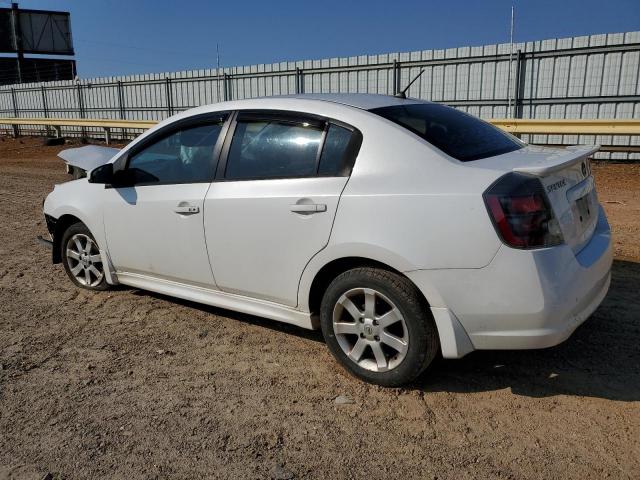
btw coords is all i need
(121, 106)
(519, 84)
(16, 128)
(167, 86)
(45, 108)
(299, 81)
(83, 130)
(120, 100)
(225, 89)
(396, 77)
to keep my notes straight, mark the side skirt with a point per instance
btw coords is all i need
(217, 298)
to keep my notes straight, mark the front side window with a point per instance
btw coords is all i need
(263, 149)
(456, 133)
(185, 156)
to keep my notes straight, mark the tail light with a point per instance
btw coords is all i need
(520, 211)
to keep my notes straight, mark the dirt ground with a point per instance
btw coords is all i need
(129, 384)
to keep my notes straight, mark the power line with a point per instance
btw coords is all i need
(133, 47)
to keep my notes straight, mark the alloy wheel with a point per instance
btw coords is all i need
(370, 329)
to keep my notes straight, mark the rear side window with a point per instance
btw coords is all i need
(332, 160)
(456, 133)
(273, 149)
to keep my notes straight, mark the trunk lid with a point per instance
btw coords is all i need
(565, 174)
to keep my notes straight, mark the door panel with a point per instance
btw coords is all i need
(154, 219)
(281, 176)
(262, 233)
(158, 231)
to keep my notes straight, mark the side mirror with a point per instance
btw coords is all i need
(103, 174)
(128, 177)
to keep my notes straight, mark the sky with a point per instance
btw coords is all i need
(117, 37)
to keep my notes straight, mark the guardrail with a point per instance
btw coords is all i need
(569, 126)
(57, 123)
(515, 126)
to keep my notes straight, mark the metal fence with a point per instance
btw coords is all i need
(590, 77)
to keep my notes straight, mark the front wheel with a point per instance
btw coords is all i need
(378, 327)
(81, 258)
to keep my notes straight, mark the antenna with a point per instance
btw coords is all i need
(403, 93)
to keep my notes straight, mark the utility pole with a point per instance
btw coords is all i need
(510, 64)
(17, 36)
(218, 69)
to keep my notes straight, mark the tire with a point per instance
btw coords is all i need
(388, 308)
(84, 266)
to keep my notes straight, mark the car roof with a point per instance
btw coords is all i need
(365, 101)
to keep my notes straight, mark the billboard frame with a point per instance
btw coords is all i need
(17, 35)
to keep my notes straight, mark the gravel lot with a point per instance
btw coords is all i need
(129, 384)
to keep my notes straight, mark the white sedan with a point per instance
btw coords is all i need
(402, 228)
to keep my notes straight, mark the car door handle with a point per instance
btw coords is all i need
(308, 208)
(187, 209)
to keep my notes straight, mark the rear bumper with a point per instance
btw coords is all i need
(524, 298)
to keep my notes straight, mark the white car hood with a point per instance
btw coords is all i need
(89, 157)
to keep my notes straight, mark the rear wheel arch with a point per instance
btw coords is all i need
(338, 266)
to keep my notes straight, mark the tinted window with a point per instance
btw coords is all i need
(272, 149)
(334, 150)
(456, 133)
(184, 156)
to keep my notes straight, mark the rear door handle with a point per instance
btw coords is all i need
(308, 208)
(187, 209)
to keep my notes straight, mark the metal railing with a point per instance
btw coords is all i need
(58, 123)
(609, 126)
(515, 126)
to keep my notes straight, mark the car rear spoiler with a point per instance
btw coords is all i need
(89, 157)
(559, 160)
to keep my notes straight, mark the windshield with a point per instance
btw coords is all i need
(456, 133)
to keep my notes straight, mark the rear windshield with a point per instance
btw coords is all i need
(456, 133)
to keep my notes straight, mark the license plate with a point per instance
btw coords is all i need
(584, 208)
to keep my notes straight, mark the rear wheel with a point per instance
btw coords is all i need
(377, 325)
(81, 258)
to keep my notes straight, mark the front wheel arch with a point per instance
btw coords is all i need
(62, 224)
